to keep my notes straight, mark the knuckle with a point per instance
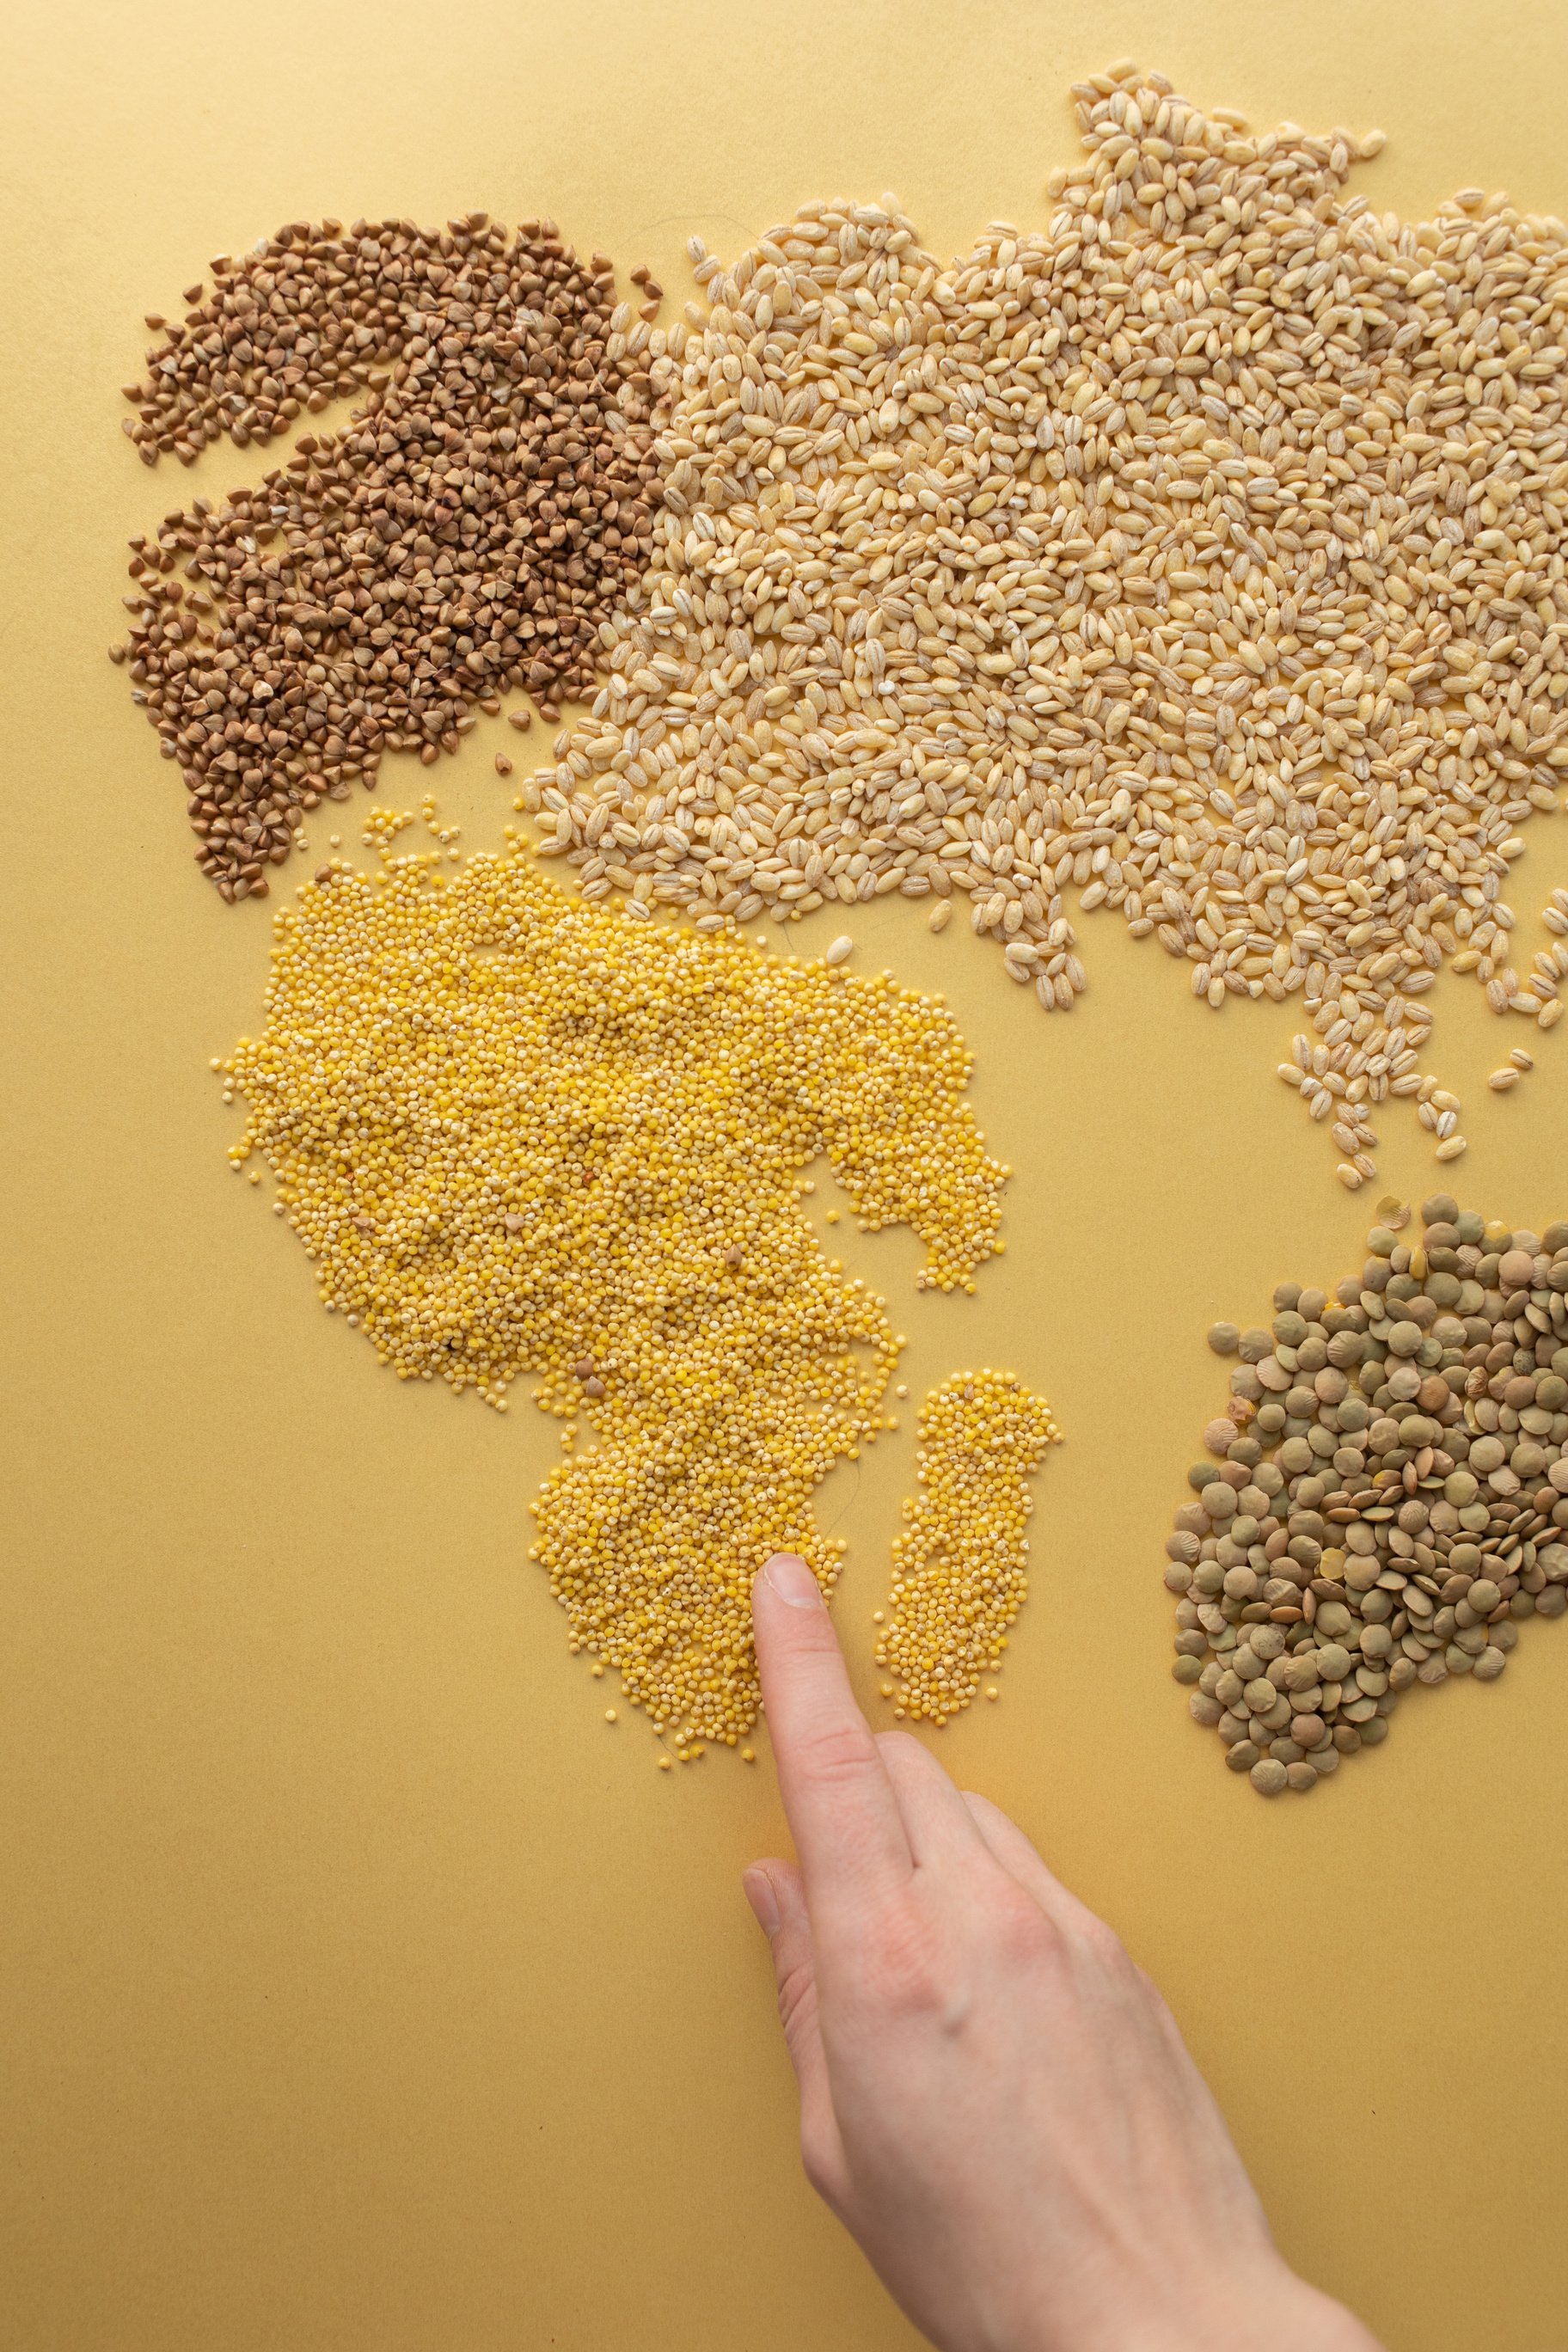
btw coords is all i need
(840, 1754)
(795, 1992)
(1148, 1997)
(1105, 1948)
(1026, 1935)
(818, 2161)
(906, 1979)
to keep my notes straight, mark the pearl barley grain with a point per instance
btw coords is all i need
(1198, 557)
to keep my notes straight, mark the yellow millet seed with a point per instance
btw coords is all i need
(959, 1572)
(519, 1134)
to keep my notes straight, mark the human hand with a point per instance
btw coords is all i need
(995, 2101)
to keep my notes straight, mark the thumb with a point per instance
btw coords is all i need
(774, 1891)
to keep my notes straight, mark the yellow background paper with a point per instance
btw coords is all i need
(360, 1990)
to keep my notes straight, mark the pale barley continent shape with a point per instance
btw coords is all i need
(1204, 552)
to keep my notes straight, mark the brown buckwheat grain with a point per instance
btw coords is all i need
(468, 532)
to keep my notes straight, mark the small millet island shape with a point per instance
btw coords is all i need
(960, 1572)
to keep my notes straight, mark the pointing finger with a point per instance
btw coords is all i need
(837, 1794)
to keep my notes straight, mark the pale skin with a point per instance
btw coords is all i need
(995, 2101)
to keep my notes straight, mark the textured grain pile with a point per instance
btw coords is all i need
(466, 533)
(1389, 1494)
(961, 1562)
(1204, 554)
(516, 1134)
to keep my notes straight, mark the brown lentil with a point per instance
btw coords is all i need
(468, 531)
(1388, 1494)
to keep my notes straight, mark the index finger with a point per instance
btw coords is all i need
(837, 1794)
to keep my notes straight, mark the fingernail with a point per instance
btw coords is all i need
(793, 1581)
(758, 1888)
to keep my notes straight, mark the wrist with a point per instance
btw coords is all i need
(1266, 2304)
(1304, 2319)
(1291, 2317)
(1276, 2308)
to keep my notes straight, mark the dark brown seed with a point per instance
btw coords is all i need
(466, 533)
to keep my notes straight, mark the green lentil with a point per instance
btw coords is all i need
(1404, 1526)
